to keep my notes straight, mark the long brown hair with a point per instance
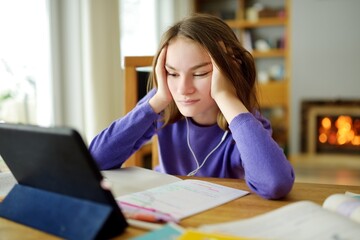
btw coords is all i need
(219, 40)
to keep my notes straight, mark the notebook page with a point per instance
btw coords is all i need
(134, 179)
(296, 221)
(183, 198)
(7, 181)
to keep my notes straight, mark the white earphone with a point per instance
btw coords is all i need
(192, 173)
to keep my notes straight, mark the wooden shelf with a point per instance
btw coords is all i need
(262, 22)
(272, 53)
(274, 93)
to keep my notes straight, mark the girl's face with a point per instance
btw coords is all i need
(189, 71)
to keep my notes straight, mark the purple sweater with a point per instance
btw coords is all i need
(248, 151)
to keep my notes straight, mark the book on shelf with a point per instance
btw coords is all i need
(247, 41)
(337, 218)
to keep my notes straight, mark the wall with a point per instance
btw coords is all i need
(325, 45)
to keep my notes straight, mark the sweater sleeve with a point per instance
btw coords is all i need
(116, 143)
(267, 170)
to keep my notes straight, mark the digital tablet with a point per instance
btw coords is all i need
(56, 159)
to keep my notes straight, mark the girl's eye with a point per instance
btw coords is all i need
(172, 74)
(201, 74)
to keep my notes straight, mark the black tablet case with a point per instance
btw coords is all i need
(58, 188)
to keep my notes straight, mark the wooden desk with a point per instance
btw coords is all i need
(245, 207)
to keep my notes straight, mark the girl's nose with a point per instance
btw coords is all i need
(186, 86)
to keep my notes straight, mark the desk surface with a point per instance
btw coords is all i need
(245, 207)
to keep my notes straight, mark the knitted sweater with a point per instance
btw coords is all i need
(247, 152)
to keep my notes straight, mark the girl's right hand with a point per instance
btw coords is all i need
(162, 97)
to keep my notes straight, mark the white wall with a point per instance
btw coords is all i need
(325, 45)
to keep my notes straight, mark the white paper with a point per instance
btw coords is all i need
(300, 220)
(183, 198)
(134, 179)
(7, 182)
(347, 205)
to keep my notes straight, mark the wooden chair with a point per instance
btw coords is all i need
(131, 99)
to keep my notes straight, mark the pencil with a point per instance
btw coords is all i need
(145, 217)
(145, 214)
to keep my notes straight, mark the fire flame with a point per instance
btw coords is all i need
(343, 131)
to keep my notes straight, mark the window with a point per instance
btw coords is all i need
(24, 62)
(138, 34)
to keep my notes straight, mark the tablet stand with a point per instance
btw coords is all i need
(60, 215)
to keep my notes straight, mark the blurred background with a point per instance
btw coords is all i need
(62, 61)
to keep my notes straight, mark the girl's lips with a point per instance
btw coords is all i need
(188, 102)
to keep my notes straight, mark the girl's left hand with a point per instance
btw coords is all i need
(221, 86)
(224, 94)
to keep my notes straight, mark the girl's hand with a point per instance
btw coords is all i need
(224, 94)
(220, 86)
(162, 97)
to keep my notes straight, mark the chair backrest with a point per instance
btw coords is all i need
(131, 64)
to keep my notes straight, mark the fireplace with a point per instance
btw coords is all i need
(330, 126)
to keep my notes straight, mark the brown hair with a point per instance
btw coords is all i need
(219, 40)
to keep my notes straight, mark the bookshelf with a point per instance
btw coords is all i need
(263, 28)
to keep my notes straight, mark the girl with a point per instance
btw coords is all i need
(204, 109)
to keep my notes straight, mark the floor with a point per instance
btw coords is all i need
(330, 169)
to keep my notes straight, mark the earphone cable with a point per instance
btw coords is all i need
(192, 173)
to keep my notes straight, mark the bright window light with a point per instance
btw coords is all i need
(25, 62)
(138, 27)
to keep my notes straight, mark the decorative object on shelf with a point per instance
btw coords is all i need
(263, 77)
(276, 72)
(262, 45)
